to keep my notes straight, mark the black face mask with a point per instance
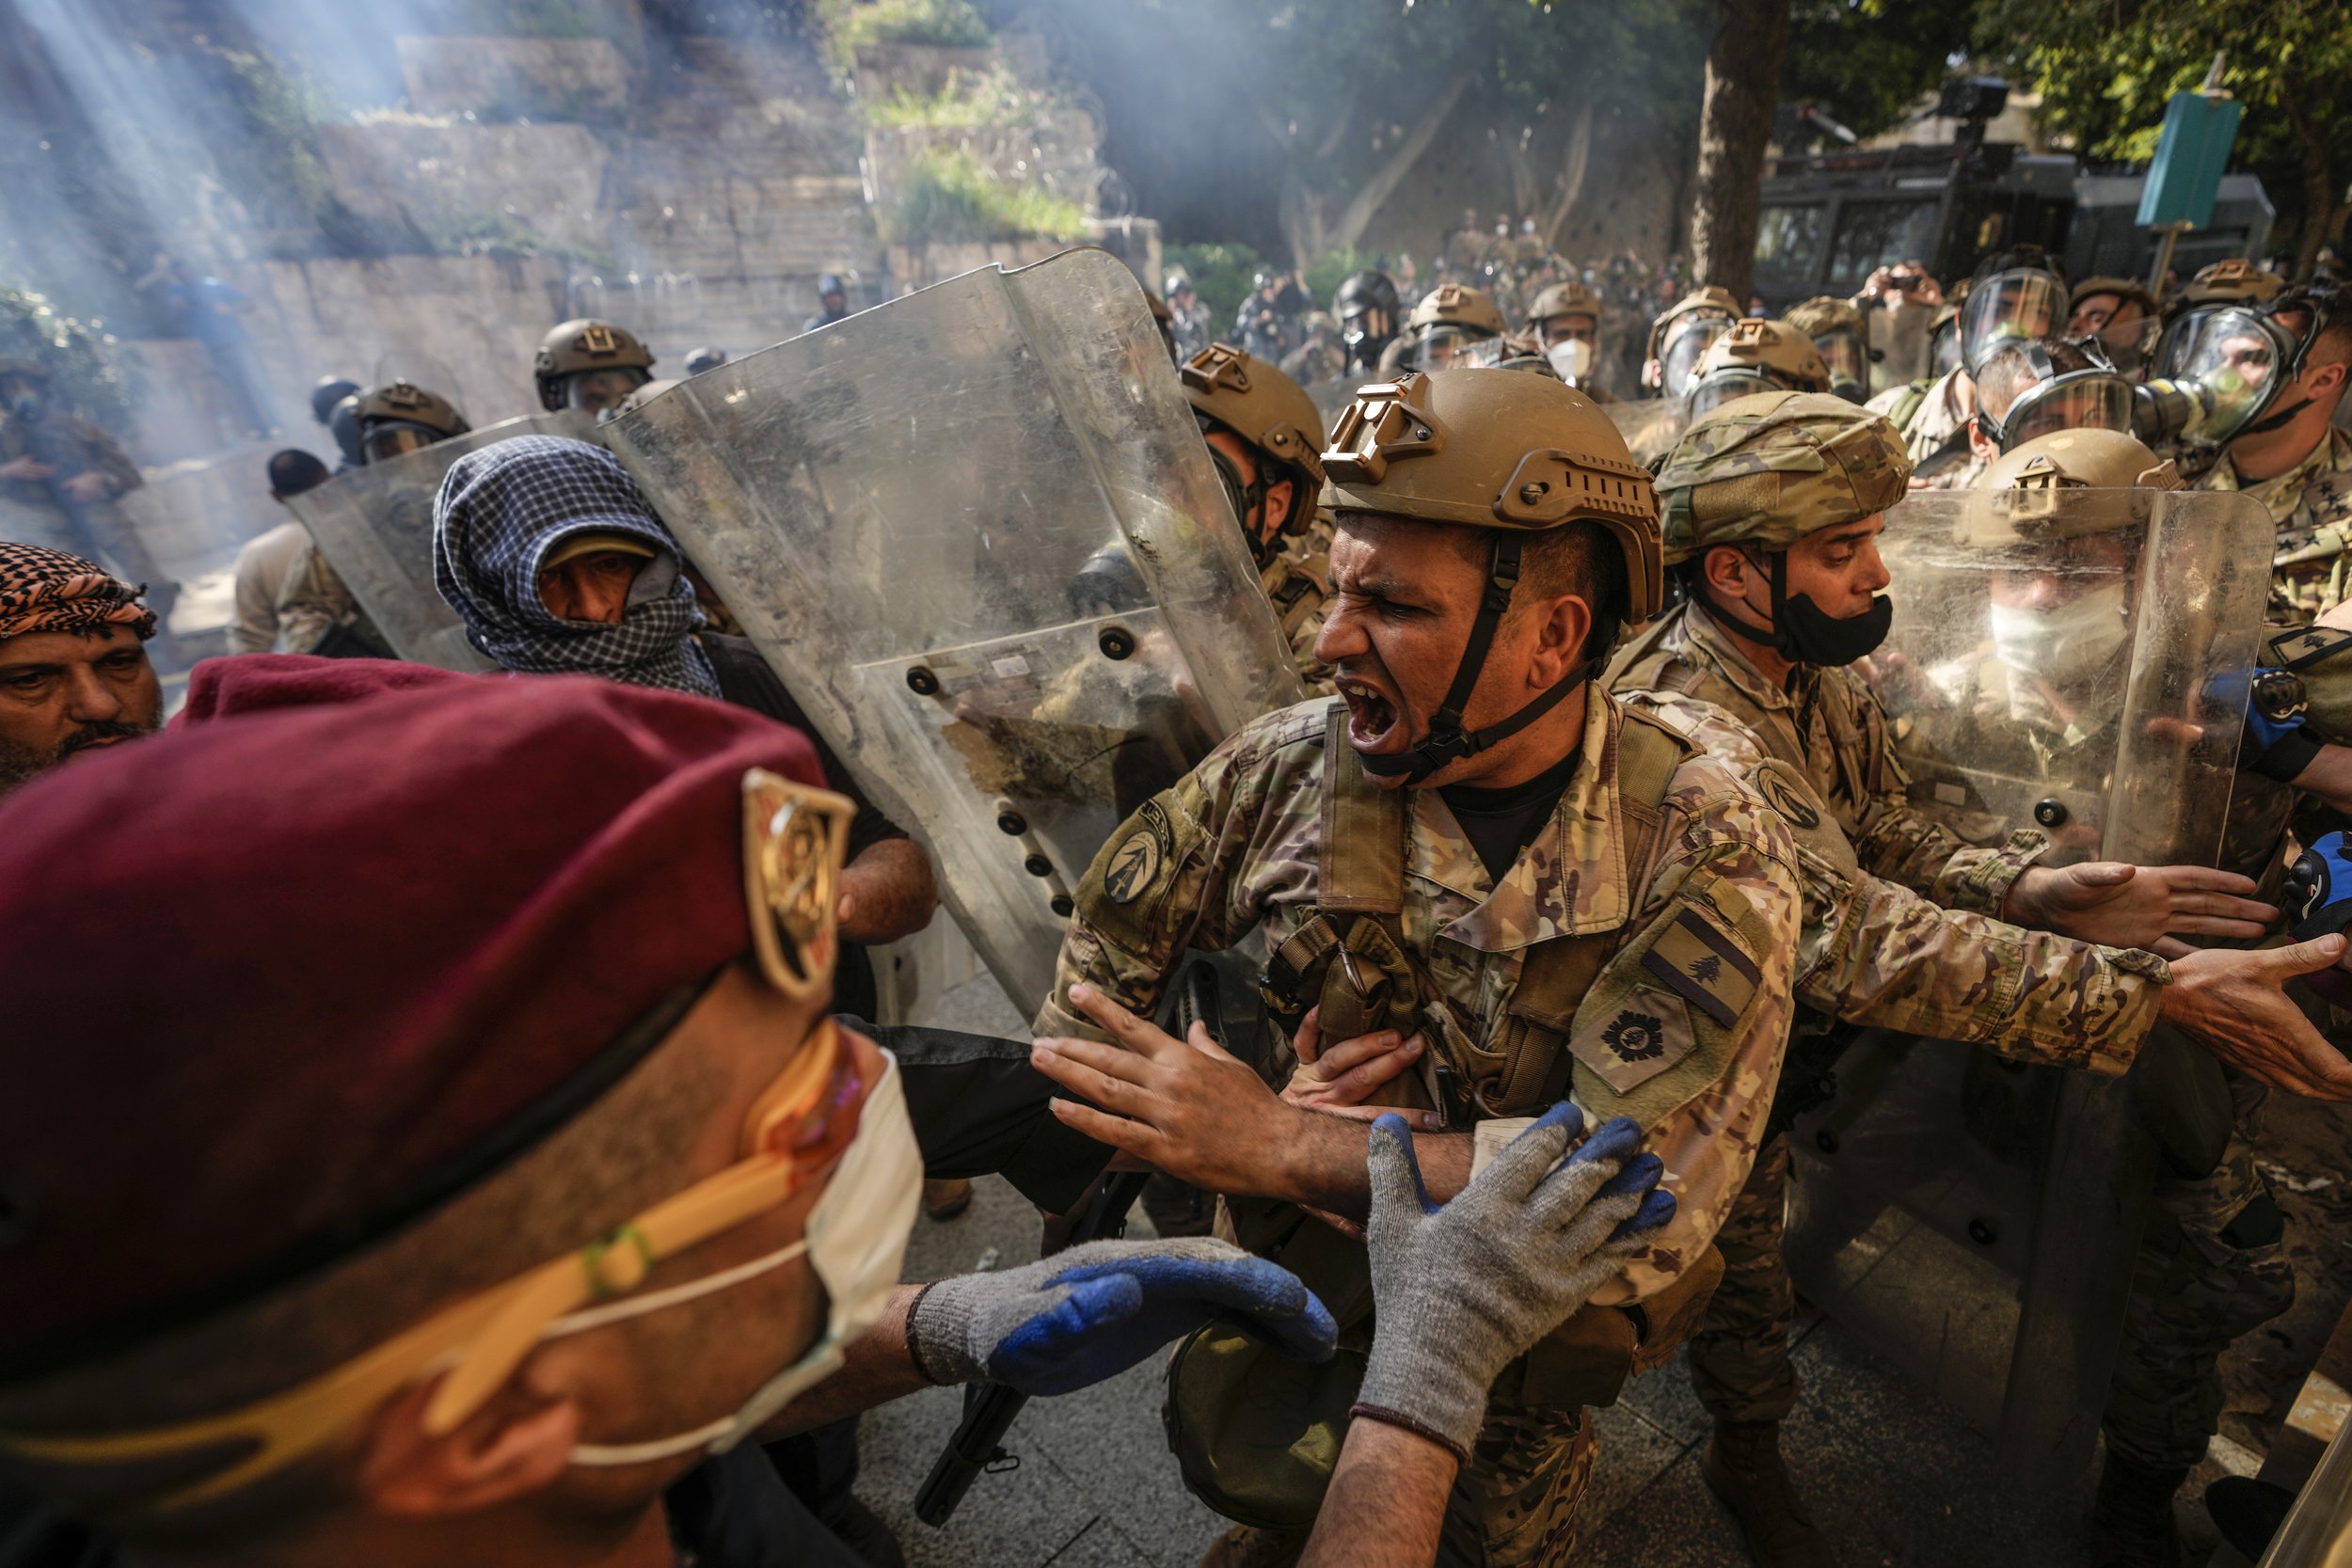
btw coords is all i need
(1804, 633)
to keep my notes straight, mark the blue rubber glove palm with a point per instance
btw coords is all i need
(1072, 1319)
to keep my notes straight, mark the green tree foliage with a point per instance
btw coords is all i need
(949, 197)
(2105, 69)
(1868, 62)
(79, 356)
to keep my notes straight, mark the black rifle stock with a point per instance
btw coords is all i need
(976, 1445)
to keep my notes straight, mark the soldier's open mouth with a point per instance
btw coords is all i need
(1371, 717)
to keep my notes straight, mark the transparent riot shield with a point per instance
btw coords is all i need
(1650, 427)
(2074, 661)
(376, 526)
(1901, 337)
(976, 533)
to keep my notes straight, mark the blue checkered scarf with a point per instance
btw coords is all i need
(503, 508)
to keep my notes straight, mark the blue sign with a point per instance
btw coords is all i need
(2191, 155)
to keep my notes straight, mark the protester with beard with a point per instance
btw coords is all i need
(73, 669)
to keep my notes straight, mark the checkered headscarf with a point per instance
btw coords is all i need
(504, 508)
(46, 590)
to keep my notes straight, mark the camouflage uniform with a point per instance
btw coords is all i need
(1901, 927)
(1235, 847)
(2311, 503)
(1297, 582)
(314, 601)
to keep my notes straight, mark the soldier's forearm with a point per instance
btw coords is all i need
(1386, 1502)
(2328, 778)
(891, 890)
(1322, 1166)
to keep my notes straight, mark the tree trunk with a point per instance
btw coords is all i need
(1573, 163)
(1382, 182)
(1735, 120)
(2321, 191)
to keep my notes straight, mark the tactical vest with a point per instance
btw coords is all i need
(1351, 959)
(1255, 1437)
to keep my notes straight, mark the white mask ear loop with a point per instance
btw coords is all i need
(676, 1295)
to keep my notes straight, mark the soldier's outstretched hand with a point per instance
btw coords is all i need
(2235, 1004)
(2120, 904)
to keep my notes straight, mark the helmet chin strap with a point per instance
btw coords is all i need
(1447, 741)
(1777, 575)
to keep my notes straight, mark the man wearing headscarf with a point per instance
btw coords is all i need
(73, 669)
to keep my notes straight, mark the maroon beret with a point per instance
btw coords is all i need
(279, 983)
(249, 683)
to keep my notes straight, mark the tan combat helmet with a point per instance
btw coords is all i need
(402, 418)
(1768, 470)
(1514, 454)
(1758, 355)
(2082, 459)
(579, 346)
(1459, 306)
(2127, 291)
(1275, 415)
(1570, 298)
(2231, 282)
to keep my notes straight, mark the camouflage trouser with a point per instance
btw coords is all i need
(1514, 1505)
(2211, 1266)
(1740, 1356)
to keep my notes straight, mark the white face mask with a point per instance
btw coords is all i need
(1572, 357)
(2064, 644)
(856, 1241)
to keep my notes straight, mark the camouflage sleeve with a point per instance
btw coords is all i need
(1877, 953)
(1164, 880)
(1897, 841)
(1728, 881)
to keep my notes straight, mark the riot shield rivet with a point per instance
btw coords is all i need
(922, 682)
(1983, 1232)
(1062, 906)
(2049, 813)
(1826, 1141)
(1038, 865)
(1117, 642)
(1012, 822)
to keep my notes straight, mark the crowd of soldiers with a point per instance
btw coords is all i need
(461, 1175)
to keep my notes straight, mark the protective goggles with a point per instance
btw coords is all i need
(2027, 303)
(794, 837)
(1717, 388)
(2096, 398)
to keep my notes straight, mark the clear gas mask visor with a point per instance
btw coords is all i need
(2023, 305)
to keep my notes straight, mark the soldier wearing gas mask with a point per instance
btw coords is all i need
(1756, 356)
(2017, 294)
(1449, 318)
(1679, 338)
(590, 365)
(2024, 391)
(1843, 339)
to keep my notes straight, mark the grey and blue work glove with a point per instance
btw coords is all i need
(1460, 1289)
(2277, 745)
(1091, 1312)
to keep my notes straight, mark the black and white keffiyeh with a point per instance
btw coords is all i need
(504, 508)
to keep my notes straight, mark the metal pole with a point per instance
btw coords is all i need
(2172, 233)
